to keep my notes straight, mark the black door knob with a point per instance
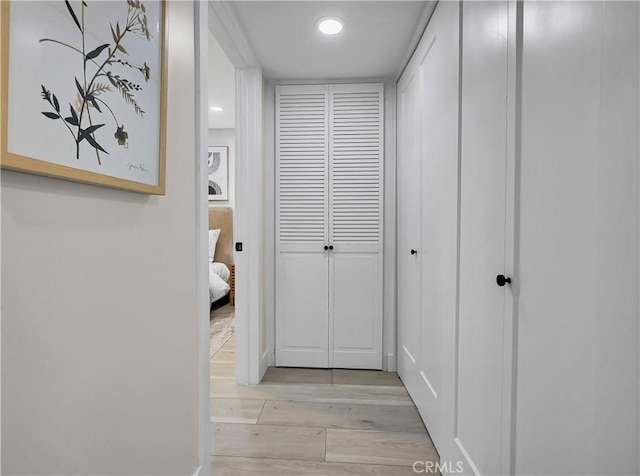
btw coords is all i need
(502, 280)
(413, 252)
(330, 247)
(326, 247)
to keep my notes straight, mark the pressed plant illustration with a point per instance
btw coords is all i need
(103, 69)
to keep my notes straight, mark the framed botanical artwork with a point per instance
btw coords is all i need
(218, 171)
(84, 91)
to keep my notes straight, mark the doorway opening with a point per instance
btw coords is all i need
(221, 154)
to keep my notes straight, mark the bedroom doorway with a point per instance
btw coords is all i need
(239, 352)
(221, 154)
(231, 82)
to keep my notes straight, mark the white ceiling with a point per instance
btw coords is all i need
(373, 44)
(222, 87)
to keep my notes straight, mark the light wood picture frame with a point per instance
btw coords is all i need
(218, 172)
(83, 91)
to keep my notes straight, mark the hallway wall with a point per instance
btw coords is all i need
(99, 345)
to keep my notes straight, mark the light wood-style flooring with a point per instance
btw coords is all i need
(313, 422)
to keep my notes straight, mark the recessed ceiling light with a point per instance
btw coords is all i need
(330, 25)
(216, 109)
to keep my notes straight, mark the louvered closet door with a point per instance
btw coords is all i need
(329, 194)
(355, 209)
(302, 148)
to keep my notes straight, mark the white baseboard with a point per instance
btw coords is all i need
(392, 363)
(264, 363)
(199, 471)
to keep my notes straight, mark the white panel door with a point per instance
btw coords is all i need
(355, 225)
(578, 356)
(409, 215)
(428, 97)
(438, 66)
(302, 167)
(482, 235)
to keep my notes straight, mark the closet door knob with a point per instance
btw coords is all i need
(413, 252)
(326, 247)
(502, 280)
(331, 247)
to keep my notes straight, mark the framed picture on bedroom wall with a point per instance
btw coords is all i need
(218, 171)
(83, 91)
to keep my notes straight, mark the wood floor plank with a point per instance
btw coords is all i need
(379, 447)
(222, 311)
(342, 415)
(235, 466)
(223, 370)
(223, 388)
(230, 349)
(224, 357)
(365, 377)
(268, 441)
(226, 350)
(228, 346)
(297, 375)
(231, 410)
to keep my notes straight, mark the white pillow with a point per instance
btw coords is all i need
(213, 241)
(221, 270)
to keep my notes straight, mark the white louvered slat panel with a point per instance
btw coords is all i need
(302, 164)
(356, 163)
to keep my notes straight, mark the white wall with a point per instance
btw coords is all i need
(389, 324)
(268, 226)
(99, 348)
(221, 86)
(270, 214)
(226, 137)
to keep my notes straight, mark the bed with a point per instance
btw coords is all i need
(221, 268)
